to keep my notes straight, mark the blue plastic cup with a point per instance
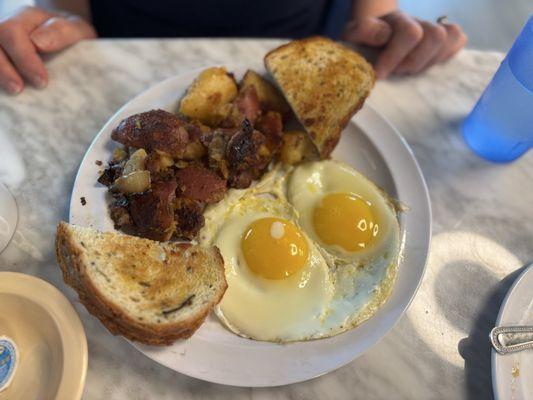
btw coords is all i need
(500, 127)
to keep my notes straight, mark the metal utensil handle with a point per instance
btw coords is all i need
(525, 342)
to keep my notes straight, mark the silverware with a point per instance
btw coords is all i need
(510, 339)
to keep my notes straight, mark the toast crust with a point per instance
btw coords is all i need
(69, 256)
(325, 134)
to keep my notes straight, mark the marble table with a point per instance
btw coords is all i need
(482, 219)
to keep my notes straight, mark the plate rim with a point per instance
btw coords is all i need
(418, 177)
(497, 390)
(70, 333)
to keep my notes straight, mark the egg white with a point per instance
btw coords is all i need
(363, 280)
(278, 310)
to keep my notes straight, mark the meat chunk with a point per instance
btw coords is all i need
(246, 150)
(196, 182)
(240, 179)
(269, 95)
(152, 211)
(216, 143)
(189, 217)
(119, 212)
(120, 216)
(153, 130)
(110, 174)
(271, 125)
(245, 106)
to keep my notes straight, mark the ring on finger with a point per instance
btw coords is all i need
(443, 19)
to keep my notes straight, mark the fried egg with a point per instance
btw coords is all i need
(355, 225)
(309, 252)
(344, 212)
(279, 285)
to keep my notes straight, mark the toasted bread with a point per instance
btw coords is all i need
(147, 291)
(325, 84)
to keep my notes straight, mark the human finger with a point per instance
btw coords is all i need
(407, 33)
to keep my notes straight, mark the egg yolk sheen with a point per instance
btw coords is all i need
(345, 220)
(274, 248)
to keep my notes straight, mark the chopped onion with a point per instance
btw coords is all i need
(134, 182)
(136, 162)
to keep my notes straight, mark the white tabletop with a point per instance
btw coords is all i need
(482, 213)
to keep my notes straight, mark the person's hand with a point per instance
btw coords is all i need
(408, 45)
(26, 34)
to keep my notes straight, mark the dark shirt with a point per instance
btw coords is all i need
(210, 18)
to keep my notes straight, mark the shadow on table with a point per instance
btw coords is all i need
(476, 348)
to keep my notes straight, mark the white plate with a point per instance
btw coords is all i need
(49, 337)
(371, 145)
(512, 374)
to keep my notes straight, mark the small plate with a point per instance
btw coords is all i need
(371, 145)
(49, 336)
(512, 374)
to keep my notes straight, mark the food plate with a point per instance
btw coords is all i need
(512, 374)
(371, 145)
(49, 337)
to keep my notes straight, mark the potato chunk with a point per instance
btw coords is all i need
(269, 96)
(207, 99)
(297, 146)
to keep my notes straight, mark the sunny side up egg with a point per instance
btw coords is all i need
(279, 284)
(355, 225)
(343, 211)
(309, 252)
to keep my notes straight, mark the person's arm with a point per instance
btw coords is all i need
(31, 31)
(408, 45)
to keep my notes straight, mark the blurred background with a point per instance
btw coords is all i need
(489, 24)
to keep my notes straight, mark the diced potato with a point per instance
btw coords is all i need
(181, 164)
(136, 162)
(158, 161)
(295, 147)
(165, 159)
(208, 95)
(134, 182)
(269, 96)
(194, 151)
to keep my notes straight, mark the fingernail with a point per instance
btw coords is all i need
(13, 87)
(38, 81)
(40, 40)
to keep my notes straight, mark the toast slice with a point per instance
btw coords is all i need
(147, 291)
(325, 84)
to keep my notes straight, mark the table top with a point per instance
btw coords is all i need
(482, 218)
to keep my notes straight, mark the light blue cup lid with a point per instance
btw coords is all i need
(521, 56)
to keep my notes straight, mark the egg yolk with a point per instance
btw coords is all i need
(345, 220)
(274, 248)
